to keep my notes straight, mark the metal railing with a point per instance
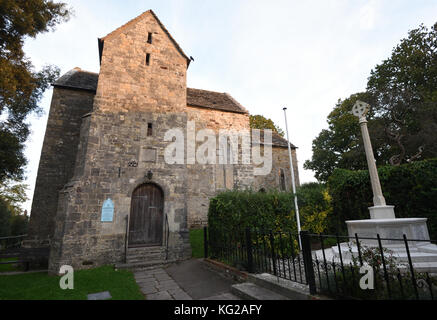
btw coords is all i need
(166, 236)
(11, 243)
(257, 251)
(11, 251)
(126, 238)
(329, 264)
(398, 273)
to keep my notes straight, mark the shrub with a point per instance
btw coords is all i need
(314, 206)
(234, 211)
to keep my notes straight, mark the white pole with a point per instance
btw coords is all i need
(293, 183)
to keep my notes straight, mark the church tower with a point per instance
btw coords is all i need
(122, 194)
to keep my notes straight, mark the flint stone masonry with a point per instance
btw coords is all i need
(105, 138)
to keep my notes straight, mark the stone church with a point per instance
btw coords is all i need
(104, 194)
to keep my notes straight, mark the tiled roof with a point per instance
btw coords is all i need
(78, 79)
(85, 80)
(277, 141)
(213, 100)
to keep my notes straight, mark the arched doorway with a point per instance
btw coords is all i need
(146, 216)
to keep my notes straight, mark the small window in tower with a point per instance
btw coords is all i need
(148, 58)
(149, 129)
(149, 38)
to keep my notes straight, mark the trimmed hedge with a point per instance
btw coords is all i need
(411, 188)
(234, 211)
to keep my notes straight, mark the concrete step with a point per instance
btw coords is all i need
(251, 291)
(290, 289)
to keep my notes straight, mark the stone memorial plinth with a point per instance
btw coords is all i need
(413, 228)
(383, 221)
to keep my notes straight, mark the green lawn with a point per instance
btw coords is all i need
(40, 286)
(8, 267)
(196, 241)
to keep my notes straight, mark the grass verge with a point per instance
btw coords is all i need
(8, 267)
(40, 286)
(196, 241)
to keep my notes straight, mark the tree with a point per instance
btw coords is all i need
(340, 146)
(260, 122)
(21, 87)
(12, 218)
(5, 216)
(405, 89)
(402, 91)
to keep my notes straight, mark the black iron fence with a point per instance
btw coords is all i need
(338, 266)
(11, 251)
(11, 244)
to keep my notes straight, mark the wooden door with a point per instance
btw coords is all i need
(146, 216)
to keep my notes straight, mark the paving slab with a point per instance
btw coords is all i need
(105, 295)
(250, 291)
(198, 281)
(163, 295)
(223, 296)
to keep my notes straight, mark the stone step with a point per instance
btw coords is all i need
(400, 254)
(251, 291)
(142, 259)
(140, 250)
(430, 267)
(146, 255)
(290, 289)
(144, 264)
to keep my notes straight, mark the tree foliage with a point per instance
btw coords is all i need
(21, 87)
(13, 221)
(402, 92)
(261, 122)
(405, 91)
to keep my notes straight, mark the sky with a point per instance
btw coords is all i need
(303, 55)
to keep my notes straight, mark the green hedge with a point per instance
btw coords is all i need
(234, 211)
(411, 188)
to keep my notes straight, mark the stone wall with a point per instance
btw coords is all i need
(115, 144)
(205, 181)
(132, 98)
(57, 160)
(280, 160)
(127, 83)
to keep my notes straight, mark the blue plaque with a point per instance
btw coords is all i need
(108, 211)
